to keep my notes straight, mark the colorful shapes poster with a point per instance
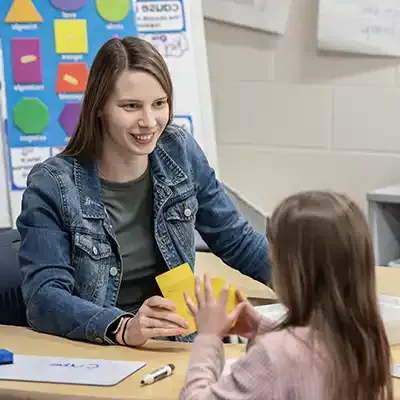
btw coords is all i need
(26, 60)
(72, 77)
(70, 36)
(48, 47)
(69, 117)
(113, 11)
(68, 5)
(31, 116)
(23, 11)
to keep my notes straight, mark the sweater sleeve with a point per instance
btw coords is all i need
(249, 377)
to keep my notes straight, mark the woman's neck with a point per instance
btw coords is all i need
(118, 169)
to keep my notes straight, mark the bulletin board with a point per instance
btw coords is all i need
(46, 50)
(48, 47)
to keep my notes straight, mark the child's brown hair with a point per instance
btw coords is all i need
(324, 273)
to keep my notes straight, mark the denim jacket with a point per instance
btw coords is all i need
(70, 259)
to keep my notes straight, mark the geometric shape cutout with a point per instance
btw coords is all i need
(69, 117)
(23, 11)
(68, 5)
(31, 116)
(70, 36)
(26, 60)
(113, 10)
(72, 77)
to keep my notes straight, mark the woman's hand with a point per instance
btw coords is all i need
(210, 314)
(248, 321)
(156, 317)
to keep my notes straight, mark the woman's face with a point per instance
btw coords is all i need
(135, 115)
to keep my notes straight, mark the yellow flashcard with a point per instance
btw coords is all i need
(176, 281)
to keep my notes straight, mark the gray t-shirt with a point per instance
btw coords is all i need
(130, 208)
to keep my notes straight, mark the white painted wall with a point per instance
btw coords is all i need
(289, 118)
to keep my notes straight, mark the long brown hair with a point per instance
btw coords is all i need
(324, 273)
(113, 58)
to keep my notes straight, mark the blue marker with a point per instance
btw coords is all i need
(6, 357)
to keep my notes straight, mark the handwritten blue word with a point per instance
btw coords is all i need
(73, 365)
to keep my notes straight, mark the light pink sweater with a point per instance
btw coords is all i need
(277, 366)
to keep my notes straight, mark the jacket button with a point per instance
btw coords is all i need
(95, 251)
(187, 212)
(113, 271)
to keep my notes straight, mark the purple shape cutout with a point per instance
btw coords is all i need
(25, 70)
(68, 5)
(69, 117)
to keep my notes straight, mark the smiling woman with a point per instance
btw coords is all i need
(119, 206)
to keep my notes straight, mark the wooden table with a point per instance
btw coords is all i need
(155, 353)
(388, 282)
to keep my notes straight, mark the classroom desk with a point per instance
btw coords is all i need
(155, 353)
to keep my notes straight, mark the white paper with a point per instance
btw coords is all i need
(396, 370)
(169, 26)
(273, 312)
(80, 371)
(22, 161)
(389, 308)
(360, 26)
(393, 300)
(266, 15)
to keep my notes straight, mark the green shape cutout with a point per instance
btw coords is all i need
(31, 116)
(113, 10)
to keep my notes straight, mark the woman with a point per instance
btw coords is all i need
(331, 343)
(119, 206)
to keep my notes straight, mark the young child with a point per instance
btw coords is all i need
(331, 344)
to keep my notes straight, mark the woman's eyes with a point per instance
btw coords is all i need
(134, 106)
(160, 103)
(131, 105)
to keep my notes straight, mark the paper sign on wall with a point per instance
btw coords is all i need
(360, 26)
(265, 15)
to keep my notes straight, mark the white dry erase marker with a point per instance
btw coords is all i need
(158, 374)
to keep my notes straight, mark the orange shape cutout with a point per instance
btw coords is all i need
(72, 77)
(23, 11)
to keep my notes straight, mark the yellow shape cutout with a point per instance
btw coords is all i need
(28, 59)
(70, 79)
(70, 36)
(176, 281)
(23, 11)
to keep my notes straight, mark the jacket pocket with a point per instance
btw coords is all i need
(181, 218)
(183, 211)
(91, 256)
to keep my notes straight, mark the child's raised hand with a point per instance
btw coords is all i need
(210, 314)
(248, 320)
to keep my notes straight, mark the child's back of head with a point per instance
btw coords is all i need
(324, 273)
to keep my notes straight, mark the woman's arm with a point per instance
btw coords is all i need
(221, 225)
(48, 276)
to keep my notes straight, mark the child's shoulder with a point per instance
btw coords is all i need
(292, 347)
(295, 362)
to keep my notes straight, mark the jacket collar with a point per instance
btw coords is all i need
(87, 181)
(164, 170)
